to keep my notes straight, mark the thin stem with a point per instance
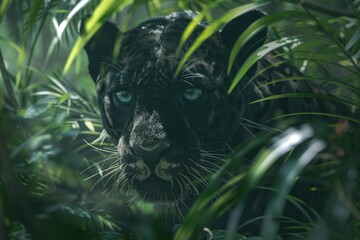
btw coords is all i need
(28, 73)
(10, 91)
(338, 43)
(17, 196)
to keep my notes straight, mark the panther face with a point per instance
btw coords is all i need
(168, 129)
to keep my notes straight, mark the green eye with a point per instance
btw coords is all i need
(124, 96)
(192, 94)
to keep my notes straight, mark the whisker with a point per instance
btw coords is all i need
(213, 156)
(100, 149)
(252, 124)
(107, 181)
(190, 183)
(109, 157)
(110, 168)
(193, 75)
(247, 129)
(131, 200)
(102, 178)
(179, 211)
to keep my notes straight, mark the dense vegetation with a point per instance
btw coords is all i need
(57, 165)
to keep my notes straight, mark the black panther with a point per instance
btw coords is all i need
(171, 129)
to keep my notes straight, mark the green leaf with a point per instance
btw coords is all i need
(354, 39)
(310, 95)
(3, 8)
(36, 10)
(89, 125)
(212, 28)
(259, 25)
(331, 32)
(217, 199)
(352, 119)
(103, 11)
(60, 29)
(202, 212)
(286, 143)
(258, 54)
(286, 178)
(189, 29)
(335, 82)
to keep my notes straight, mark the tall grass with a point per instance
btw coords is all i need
(56, 179)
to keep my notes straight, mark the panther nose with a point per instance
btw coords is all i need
(152, 153)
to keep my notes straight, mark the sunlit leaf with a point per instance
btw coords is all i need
(211, 29)
(256, 27)
(354, 39)
(189, 30)
(287, 176)
(89, 125)
(3, 7)
(257, 55)
(103, 11)
(60, 29)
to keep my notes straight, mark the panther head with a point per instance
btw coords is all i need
(169, 129)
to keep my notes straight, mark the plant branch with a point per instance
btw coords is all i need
(10, 91)
(16, 201)
(27, 73)
(329, 11)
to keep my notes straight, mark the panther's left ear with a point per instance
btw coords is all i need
(100, 48)
(233, 29)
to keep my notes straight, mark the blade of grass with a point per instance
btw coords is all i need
(200, 215)
(103, 11)
(325, 26)
(322, 62)
(310, 95)
(259, 25)
(212, 203)
(336, 82)
(80, 5)
(192, 25)
(3, 8)
(257, 55)
(286, 178)
(354, 39)
(189, 29)
(8, 85)
(212, 28)
(352, 119)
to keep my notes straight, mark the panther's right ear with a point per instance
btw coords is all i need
(100, 48)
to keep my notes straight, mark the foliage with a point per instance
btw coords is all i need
(58, 167)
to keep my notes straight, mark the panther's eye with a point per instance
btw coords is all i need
(192, 94)
(124, 96)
